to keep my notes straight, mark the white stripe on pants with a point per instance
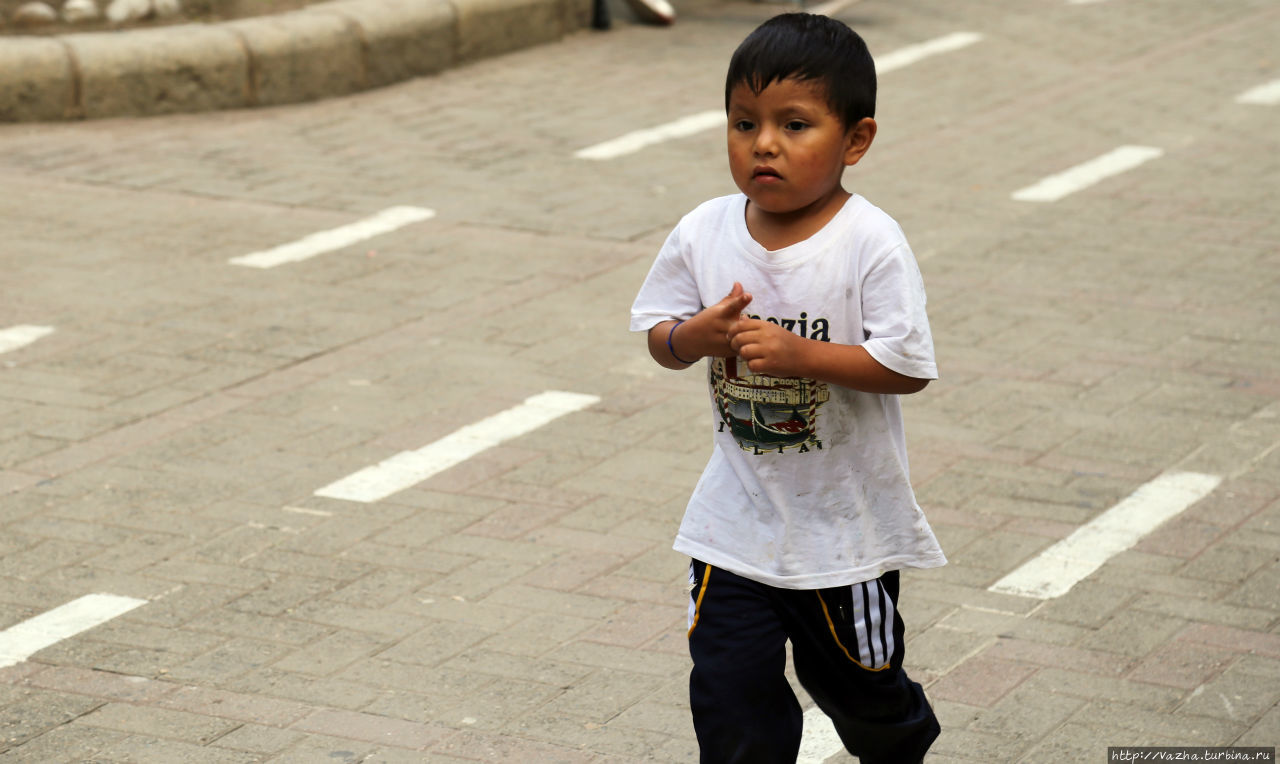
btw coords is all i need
(873, 623)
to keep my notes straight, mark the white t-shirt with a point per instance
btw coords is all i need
(807, 487)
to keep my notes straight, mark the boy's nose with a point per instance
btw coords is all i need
(766, 142)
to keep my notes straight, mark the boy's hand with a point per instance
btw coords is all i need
(706, 334)
(724, 314)
(767, 348)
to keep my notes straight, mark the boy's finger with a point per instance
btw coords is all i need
(731, 307)
(738, 294)
(738, 331)
(733, 293)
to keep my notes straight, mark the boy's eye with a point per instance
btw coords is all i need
(796, 124)
(744, 125)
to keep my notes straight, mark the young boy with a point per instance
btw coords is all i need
(804, 514)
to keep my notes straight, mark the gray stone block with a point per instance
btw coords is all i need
(401, 38)
(184, 68)
(577, 14)
(36, 80)
(493, 27)
(301, 56)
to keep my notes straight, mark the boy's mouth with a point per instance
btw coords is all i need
(764, 172)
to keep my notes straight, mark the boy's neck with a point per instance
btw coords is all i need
(774, 231)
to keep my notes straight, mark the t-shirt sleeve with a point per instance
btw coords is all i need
(669, 291)
(893, 315)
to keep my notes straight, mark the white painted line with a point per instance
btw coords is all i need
(831, 7)
(820, 741)
(337, 238)
(706, 120)
(1055, 570)
(913, 53)
(308, 511)
(1080, 177)
(22, 640)
(639, 139)
(24, 334)
(408, 468)
(1267, 94)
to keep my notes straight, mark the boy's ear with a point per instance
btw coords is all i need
(858, 140)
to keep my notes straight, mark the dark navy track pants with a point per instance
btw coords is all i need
(847, 646)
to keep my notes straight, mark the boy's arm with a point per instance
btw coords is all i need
(705, 334)
(769, 349)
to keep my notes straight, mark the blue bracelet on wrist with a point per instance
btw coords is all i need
(672, 349)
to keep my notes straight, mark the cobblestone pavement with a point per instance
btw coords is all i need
(166, 440)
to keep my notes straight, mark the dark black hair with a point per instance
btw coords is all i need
(808, 47)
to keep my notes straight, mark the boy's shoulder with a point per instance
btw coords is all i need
(870, 217)
(875, 230)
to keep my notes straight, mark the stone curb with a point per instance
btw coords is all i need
(328, 49)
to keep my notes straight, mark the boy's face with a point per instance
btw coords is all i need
(787, 150)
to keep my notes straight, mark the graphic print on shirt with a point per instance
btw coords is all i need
(766, 414)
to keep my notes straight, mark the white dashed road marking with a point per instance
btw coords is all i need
(1080, 177)
(326, 241)
(831, 6)
(308, 511)
(920, 51)
(707, 120)
(408, 468)
(639, 139)
(1267, 94)
(1055, 570)
(22, 640)
(19, 336)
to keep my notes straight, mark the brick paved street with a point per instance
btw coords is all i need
(165, 441)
